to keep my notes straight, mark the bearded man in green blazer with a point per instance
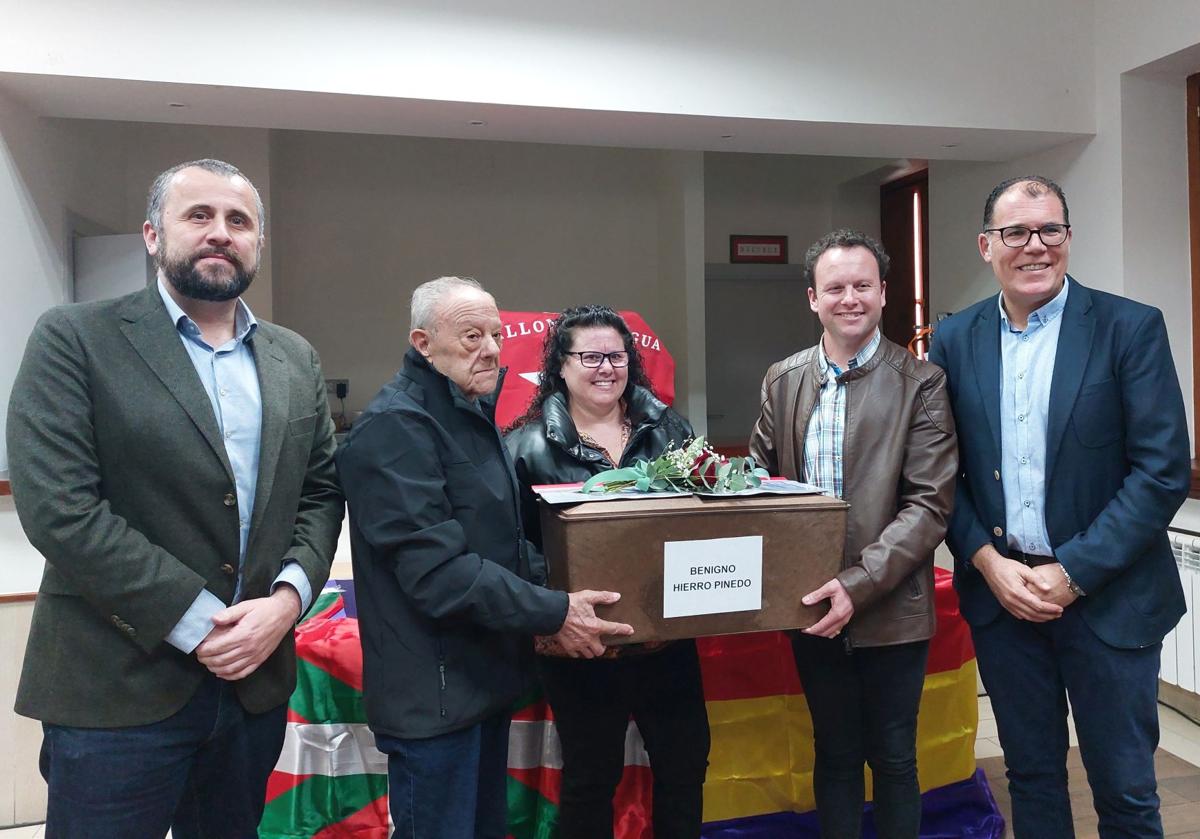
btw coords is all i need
(171, 458)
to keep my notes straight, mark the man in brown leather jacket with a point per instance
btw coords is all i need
(864, 420)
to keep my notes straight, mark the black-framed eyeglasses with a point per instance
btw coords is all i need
(591, 358)
(1018, 237)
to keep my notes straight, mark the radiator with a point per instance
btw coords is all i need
(1181, 648)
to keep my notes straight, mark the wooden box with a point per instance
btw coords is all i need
(630, 545)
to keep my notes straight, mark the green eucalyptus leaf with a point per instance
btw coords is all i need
(609, 476)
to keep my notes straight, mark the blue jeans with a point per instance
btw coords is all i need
(202, 772)
(1029, 670)
(453, 786)
(864, 710)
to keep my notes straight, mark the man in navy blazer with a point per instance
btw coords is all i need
(1074, 450)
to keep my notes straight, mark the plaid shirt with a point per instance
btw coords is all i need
(827, 426)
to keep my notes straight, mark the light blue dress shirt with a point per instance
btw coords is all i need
(230, 379)
(824, 438)
(1027, 359)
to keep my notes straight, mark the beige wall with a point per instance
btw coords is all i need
(361, 220)
(797, 196)
(22, 790)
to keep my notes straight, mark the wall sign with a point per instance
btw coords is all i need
(743, 248)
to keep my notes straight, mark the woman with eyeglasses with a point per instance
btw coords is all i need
(594, 410)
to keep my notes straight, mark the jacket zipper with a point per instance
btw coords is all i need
(442, 678)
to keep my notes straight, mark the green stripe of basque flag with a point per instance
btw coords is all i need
(530, 814)
(317, 802)
(322, 698)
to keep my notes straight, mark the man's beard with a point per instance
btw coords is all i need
(188, 280)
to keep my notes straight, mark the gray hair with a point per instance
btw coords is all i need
(427, 296)
(162, 185)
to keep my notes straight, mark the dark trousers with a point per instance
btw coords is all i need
(864, 710)
(592, 703)
(453, 786)
(202, 772)
(1030, 670)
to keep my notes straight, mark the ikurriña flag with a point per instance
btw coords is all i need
(332, 783)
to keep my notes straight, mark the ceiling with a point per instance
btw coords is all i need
(142, 101)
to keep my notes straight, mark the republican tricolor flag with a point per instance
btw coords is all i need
(332, 783)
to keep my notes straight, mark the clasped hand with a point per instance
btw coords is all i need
(1033, 594)
(246, 633)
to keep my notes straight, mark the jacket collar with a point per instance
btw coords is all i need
(641, 407)
(418, 368)
(1074, 343)
(817, 379)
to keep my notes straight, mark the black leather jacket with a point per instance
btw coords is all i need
(549, 451)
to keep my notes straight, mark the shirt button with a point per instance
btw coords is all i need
(1024, 460)
(230, 499)
(996, 473)
(997, 531)
(1019, 376)
(227, 569)
(1028, 503)
(1020, 418)
(224, 392)
(228, 435)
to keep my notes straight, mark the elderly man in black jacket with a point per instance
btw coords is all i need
(449, 592)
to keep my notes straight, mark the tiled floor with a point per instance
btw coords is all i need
(1178, 762)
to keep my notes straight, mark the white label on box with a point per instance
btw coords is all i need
(710, 576)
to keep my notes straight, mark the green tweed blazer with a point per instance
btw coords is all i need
(121, 481)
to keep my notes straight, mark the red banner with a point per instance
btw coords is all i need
(524, 340)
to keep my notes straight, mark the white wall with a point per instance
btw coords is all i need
(43, 187)
(1127, 187)
(927, 62)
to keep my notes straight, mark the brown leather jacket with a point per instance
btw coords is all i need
(899, 462)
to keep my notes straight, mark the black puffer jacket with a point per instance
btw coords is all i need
(548, 450)
(441, 569)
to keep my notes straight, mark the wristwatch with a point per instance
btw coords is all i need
(1071, 584)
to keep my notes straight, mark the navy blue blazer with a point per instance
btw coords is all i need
(1118, 463)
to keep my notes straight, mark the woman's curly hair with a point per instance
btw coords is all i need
(560, 337)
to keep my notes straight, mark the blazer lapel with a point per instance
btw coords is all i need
(1070, 362)
(147, 326)
(273, 388)
(985, 349)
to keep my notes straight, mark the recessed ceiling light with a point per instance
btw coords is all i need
(477, 122)
(176, 105)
